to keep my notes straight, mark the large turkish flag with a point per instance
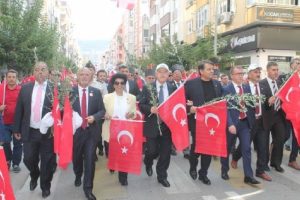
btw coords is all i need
(289, 94)
(66, 139)
(125, 146)
(211, 123)
(6, 191)
(173, 114)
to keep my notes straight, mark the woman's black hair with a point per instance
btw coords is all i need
(120, 76)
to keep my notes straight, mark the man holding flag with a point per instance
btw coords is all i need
(157, 133)
(9, 94)
(200, 91)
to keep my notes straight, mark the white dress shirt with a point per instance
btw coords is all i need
(236, 87)
(33, 124)
(165, 89)
(120, 106)
(80, 92)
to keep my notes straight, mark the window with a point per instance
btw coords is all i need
(280, 2)
(190, 27)
(202, 17)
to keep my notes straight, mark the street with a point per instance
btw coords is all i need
(106, 186)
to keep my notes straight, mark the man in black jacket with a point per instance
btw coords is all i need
(200, 91)
(157, 133)
(33, 103)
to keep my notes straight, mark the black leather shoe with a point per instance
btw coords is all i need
(278, 168)
(33, 184)
(164, 182)
(193, 174)
(204, 180)
(100, 153)
(225, 176)
(90, 196)
(77, 182)
(149, 171)
(45, 193)
(186, 156)
(124, 182)
(250, 180)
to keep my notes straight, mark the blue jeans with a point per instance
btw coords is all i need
(12, 155)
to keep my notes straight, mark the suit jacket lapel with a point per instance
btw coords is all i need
(90, 99)
(232, 88)
(200, 89)
(76, 103)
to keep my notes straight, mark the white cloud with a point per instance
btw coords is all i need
(95, 19)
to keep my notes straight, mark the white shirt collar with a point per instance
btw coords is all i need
(37, 83)
(158, 84)
(81, 88)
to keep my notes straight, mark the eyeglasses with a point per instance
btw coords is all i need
(119, 83)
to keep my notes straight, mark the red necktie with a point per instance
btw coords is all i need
(242, 114)
(83, 109)
(257, 108)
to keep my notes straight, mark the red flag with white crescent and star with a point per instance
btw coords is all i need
(125, 146)
(173, 114)
(57, 120)
(289, 94)
(6, 191)
(66, 138)
(211, 129)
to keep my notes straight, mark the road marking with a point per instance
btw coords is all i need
(233, 196)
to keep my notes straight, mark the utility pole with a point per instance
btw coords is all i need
(215, 27)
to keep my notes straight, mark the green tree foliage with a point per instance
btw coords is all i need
(187, 55)
(25, 36)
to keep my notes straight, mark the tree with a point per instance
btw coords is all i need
(25, 36)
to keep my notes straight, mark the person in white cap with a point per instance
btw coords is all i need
(158, 144)
(258, 134)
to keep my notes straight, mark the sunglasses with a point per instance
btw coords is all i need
(119, 83)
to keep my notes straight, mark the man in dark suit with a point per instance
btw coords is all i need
(273, 116)
(239, 124)
(258, 134)
(131, 86)
(157, 133)
(200, 91)
(33, 103)
(89, 104)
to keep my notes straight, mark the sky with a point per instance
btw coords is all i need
(95, 19)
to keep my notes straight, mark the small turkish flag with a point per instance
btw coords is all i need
(211, 129)
(57, 120)
(66, 139)
(173, 114)
(125, 146)
(6, 191)
(193, 76)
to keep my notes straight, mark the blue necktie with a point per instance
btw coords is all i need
(161, 95)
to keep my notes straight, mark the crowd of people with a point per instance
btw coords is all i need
(99, 96)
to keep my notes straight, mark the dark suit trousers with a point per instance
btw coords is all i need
(84, 156)
(205, 159)
(39, 147)
(243, 133)
(159, 146)
(258, 136)
(278, 132)
(295, 146)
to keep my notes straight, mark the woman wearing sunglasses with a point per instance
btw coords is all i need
(119, 105)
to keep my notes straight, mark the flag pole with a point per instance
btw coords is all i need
(4, 93)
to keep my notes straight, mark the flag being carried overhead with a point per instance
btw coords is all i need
(173, 113)
(6, 191)
(211, 123)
